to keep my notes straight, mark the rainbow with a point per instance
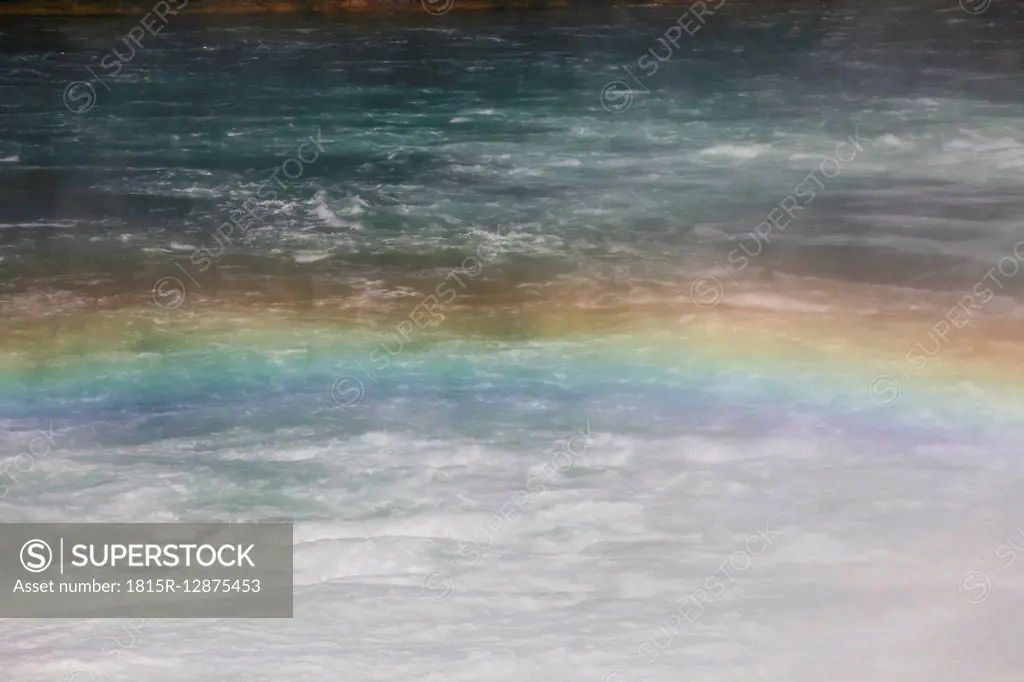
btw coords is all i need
(872, 348)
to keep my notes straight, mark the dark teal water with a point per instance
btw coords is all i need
(436, 126)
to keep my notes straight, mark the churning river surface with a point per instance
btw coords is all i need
(576, 346)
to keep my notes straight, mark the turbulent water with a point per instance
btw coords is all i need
(576, 346)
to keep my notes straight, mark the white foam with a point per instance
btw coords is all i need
(735, 151)
(325, 214)
(310, 256)
(776, 302)
(868, 543)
